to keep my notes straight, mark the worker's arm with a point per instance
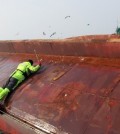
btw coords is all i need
(34, 68)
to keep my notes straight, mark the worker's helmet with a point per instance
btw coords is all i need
(31, 61)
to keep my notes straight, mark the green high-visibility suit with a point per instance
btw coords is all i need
(18, 76)
(24, 70)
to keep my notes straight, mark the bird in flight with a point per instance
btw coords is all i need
(52, 34)
(44, 33)
(17, 33)
(67, 17)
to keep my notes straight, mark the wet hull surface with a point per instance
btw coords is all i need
(74, 98)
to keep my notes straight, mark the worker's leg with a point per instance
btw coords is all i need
(17, 84)
(4, 93)
(9, 87)
(6, 83)
(12, 83)
(1, 89)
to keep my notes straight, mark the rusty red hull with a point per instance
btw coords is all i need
(75, 95)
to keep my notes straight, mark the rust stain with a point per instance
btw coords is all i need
(77, 91)
(59, 75)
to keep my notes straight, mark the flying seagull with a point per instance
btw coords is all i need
(17, 34)
(67, 17)
(44, 33)
(52, 34)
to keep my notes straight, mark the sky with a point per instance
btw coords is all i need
(57, 19)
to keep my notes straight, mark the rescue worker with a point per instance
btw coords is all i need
(23, 71)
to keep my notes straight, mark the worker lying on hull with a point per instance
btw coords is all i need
(23, 71)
